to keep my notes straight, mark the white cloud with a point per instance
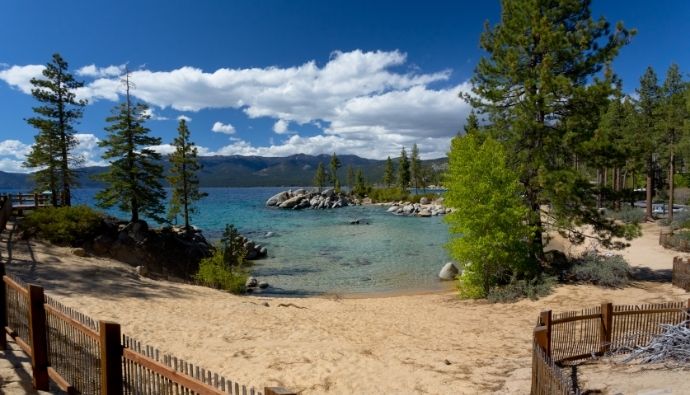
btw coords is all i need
(163, 149)
(281, 126)
(153, 116)
(220, 127)
(186, 118)
(19, 77)
(14, 148)
(93, 71)
(87, 148)
(12, 166)
(13, 153)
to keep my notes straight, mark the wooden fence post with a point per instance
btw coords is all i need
(38, 336)
(111, 358)
(3, 308)
(606, 326)
(545, 318)
(278, 391)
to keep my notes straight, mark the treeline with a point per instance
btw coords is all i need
(409, 172)
(133, 181)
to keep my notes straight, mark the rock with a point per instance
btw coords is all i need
(79, 252)
(408, 209)
(251, 282)
(263, 285)
(101, 244)
(263, 252)
(556, 259)
(299, 192)
(424, 213)
(449, 271)
(251, 254)
(328, 192)
(424, 200)
(141, 270)
(270, 234)
(277, 199)
(392, 209)
(292, 202)
(366, 200)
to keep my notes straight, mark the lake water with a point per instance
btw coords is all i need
(319, 251)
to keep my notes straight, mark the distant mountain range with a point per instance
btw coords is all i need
(246, 171)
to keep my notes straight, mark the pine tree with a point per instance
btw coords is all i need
(335, 165)
(539, 80)
(403, 171)
(183, 177)
(350, 177)
(320, 177)
(674, 114)
(360, 186)
(647, 131)
(55, 141)
(388, 173)
(471, 124)
(133, 179)
(415, 168)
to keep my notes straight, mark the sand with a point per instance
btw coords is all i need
(426, 344)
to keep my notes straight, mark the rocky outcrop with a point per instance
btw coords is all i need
(300, 199)
(422, 209)
(254, 251)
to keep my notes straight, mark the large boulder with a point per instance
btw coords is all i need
(277, 199)
(449, 271)
(292, 202)
(424, 200)
(392, 209)
(328, 192)
(424, 213)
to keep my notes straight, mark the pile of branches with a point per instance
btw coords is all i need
(671, 346)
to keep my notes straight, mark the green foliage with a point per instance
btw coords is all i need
(183, 177)
(224, 269)
(360, 187)
(388, 173)
(133, 178)
(388, 195)
(606, 271)
(320, 177)
(489, 221)
(334, 166)
(416, 171)
(403, 170)
(63, 225)
(627, 214)
(519, 289)
(541, 91)
(52, 152)
(350, 177)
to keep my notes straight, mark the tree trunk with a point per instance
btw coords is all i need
(670, 188)
(650, 187)
(599, 183)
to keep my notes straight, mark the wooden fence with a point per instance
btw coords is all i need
(673, 241)
(21, 202)
(84, 356)
(681, 273)
(579, 335)
(5, 211)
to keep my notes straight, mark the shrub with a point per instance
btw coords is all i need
(607, 271)
(388, 195)
(518, 289)
(213, 272)
(416, 198)
(63, 225)
(627, 214)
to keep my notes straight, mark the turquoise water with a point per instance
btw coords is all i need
(319, 251)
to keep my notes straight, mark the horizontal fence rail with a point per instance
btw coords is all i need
(568, 337)
(84, 356)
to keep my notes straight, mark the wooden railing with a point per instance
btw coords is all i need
(580, 335)
(5, 211)
(84, 356)
(681, 273)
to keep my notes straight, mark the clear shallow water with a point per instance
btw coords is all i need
(316, 252)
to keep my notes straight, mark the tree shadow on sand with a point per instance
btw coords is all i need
(643, 273)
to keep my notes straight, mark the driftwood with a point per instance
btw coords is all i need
(672, 346)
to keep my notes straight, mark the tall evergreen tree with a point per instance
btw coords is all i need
(360, 186)
(403, 170)
(133, 179)
(471, 124)
(673, 117)
(335, 165)
(55, 120)
(537, 86)
(183, 178)
(388, 173)
(320, 177)
(350, 177)
(647, 131)
(415, 168)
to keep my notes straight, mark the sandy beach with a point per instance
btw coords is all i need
(426, 344)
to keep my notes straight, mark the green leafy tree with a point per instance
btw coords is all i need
(415, 168)
(320, 177)
(538, 88)
(388, 173)
(183, 177)
(224, 269)
(335, 165)
(133, 178)
(55, 118)
(674, 114)
(489, 223)
(403, 170)
(647, 131)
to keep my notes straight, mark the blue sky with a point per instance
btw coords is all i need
(276, 78)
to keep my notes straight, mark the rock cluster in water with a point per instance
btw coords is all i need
(254, 251)
(424, 208)
(302, 199)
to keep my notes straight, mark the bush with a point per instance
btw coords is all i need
(388, 195)
(213, 272)
(63, 225)
(607, 271)
(416, 198)
(518, 289)
(628, 215)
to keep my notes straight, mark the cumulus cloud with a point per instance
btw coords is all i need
(154, 116)
(220, 127)
(19, 77)
(186, 118)
(93, 71)
(14, 148)
(281, 126)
